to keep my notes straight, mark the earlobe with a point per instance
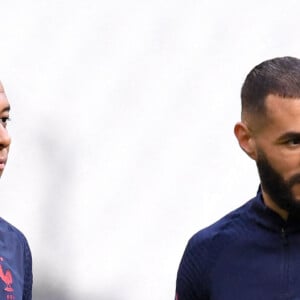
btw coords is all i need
(245, 139)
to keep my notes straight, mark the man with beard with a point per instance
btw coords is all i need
(254, 251)
(15, 255)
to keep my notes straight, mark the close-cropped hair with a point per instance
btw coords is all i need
(279, 76)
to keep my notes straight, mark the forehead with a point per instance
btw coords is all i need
(4, 104)
(279, 107)
(283, 113)
(1, 87)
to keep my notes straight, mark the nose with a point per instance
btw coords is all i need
(5, 139)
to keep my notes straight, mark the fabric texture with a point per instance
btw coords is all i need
(15, 264)
(251, 253)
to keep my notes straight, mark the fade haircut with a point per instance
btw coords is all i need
(278, 76)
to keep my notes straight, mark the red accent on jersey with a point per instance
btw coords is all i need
(7, 279)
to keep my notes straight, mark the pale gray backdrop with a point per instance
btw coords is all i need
(122, 126)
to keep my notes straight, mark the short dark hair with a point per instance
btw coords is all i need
(279, 76)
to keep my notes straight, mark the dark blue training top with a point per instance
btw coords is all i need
(15, 264)
(250, 254)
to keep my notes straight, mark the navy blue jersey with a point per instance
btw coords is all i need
(251, 253)
(15, 264)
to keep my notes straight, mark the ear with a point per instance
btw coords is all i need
(245, 139)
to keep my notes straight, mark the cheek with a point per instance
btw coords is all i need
(296, 190)
(286, 163)
(288, 166)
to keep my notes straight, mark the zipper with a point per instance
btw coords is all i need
(284, 237)
(285, 264)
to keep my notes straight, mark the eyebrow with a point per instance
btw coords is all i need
(6, 109)
(289, 135)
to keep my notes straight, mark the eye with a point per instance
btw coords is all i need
(4, 121)
(294, 141)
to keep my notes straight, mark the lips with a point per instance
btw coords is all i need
(2, 163)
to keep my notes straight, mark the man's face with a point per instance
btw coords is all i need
(278, 152)
(4, 137)
(278, 189)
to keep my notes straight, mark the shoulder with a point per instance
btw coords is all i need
(201, 253)
(15, 243)
(213, 238)
(10, 233)
(230, 221)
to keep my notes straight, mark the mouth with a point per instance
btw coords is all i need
(2, 163)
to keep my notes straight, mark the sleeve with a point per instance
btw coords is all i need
(28, 278)
(192, 278)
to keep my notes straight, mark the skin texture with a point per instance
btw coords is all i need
(5, 139)
(278, 142)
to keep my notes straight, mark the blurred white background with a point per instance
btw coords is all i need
(122, 127)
